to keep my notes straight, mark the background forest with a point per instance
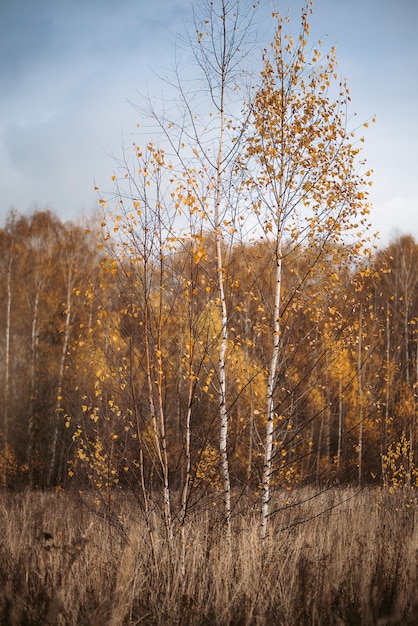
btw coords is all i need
(72, 336)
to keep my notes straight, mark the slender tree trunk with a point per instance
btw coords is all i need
(340, 425)
(406, 332)
(163, 451)
(250, 418)
(360, 399)
(250, 432)
(414, 430)
(33, 417)
(187, 452)
(220, 271)
(272, 377)
(319, 450)
(160, 382)
(328, 418)
(145, 495)
(61, 369)
(387, 397)
(7, 365)
(191, 376)
(157, 413)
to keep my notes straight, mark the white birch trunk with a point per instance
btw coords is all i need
(32, 417)
(64, 351)
(272, 377)
(220, 271)
(223, 412)
(7, 362)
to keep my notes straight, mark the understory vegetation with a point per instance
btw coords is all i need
(343, 556)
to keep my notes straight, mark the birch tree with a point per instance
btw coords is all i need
(201, 131)
(307, 188)
(219, 44)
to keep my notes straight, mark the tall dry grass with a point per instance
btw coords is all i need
(336, 558)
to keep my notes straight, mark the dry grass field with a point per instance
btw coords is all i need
(340, 557)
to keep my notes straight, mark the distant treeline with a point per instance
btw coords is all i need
(97, 346)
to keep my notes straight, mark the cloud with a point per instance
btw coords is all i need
(68, 70)
(397, 216)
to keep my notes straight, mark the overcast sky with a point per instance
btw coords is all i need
(69, 70)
